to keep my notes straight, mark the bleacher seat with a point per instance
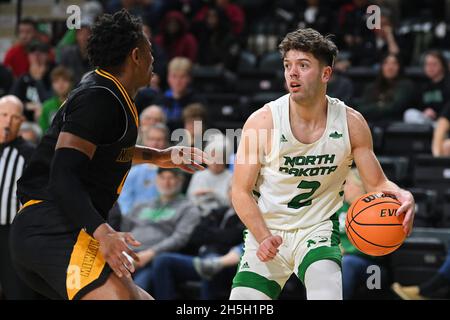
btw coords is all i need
(445, 222)
(426, 207)
(432, 173)
(271, 62)
(395, 168)
(417, 260)
(407, 139)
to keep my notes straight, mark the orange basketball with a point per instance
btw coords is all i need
(372, 225)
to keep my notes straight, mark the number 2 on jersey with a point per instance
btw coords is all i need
(296, 202)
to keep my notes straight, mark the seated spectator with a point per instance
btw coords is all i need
(433, 288)
(435, 93)
(152, 115)
(140, 184)
(354, 262)
(34, 87)
(315, 15)
(175, 38)
(6, 80)
(367, 45)
(91, 10)
(340, 86)
(389, 95)
(179, 94)
(209, 188)
(62, 84)
(163, 225)
(232, 10)
(16, 58)
(216, 243)
(31, 132)
(441, 138)
(217, 45)
(74, 57)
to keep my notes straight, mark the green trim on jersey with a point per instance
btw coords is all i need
(253, 280)
(323, 253)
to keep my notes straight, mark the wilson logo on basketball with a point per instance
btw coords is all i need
(378, 196)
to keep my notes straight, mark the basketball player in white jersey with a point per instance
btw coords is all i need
(288, 184)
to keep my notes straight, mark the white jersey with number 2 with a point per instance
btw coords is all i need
(301, 185)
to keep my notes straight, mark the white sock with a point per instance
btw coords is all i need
(245, 293)
(323, 281)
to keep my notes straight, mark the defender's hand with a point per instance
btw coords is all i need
(188, 159)
(114, 248)
(268, 248)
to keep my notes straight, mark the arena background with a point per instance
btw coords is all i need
(237, 69)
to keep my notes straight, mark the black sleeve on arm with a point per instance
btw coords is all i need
(68, 191)
(95, 115)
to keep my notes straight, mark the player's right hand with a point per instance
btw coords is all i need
(268, 248)
(114, 247)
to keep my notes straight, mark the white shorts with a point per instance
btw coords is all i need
(300, 248)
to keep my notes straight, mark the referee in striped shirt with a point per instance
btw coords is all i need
(14, 154)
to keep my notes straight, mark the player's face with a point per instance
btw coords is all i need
(303, 74)
(145, 63)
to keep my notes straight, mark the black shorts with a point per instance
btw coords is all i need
(53, 257)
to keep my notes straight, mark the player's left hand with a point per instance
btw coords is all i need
(408, 208)
(188, 159)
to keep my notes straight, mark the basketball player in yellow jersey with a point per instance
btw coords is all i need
(291, 164)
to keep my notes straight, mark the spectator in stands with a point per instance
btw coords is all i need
(31, 132)
(90, 11)
(354, 262)
(140, 186)
(74, 57)
(195, 123)
(315, 15)
(232, 10)
(165, 224)
(175, 38)
(217, 44)
(216, 240)
(340, 86)
(6, 80)
(431, 289)
(435, 93)
(62, 84)
(385, 99)
(441, 138)
(367, 45)
(152, 115)
(179, 94)
(34, 87)
(14, 154)
(16, 58)
(209, 189)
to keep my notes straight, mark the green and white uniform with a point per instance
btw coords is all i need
(299, 190)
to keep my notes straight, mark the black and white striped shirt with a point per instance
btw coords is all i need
(13, 158)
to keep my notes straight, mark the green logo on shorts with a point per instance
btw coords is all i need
(313, 243)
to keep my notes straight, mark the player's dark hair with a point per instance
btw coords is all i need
(112, 39)
(310, 40)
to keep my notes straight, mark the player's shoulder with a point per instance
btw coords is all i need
(261, 118)
(355, 119)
